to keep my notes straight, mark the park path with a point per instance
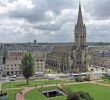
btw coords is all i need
(20, 96)
(27, 89)
(98, 83)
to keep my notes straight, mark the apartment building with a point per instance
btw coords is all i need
(12, 64)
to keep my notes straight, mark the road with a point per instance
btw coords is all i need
(4, 79)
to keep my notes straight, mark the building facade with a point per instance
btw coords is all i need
(60, 58)
(12, 65)
(11, 55)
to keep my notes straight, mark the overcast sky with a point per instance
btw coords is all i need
(52, 20)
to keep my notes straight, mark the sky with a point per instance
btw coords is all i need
(52, 20)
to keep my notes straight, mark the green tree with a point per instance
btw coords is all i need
(79, 96)
(27, 66)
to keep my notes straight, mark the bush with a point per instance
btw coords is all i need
(79, 79)
(106, 76)
(79, 96)
(86, 79)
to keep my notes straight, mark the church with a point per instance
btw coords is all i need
(71, 57)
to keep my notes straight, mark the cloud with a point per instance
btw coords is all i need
(52, 20)
(99, 10)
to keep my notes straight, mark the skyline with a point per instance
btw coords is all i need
(54, 21)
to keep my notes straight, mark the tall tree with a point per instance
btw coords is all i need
(27, 66)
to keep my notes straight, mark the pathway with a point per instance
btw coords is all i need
(98, 83)
(20, 96)
(27, 89)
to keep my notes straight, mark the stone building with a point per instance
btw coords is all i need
(13, 62)
(60, 58)
(71, 58)
(11, 55)
(100, 58)
(79, 51)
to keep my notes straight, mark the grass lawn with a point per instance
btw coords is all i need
(98, 92)
(36, 95)
(11, 94)
(20, 84)
(105, 81)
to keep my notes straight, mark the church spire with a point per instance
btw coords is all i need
(80, 19)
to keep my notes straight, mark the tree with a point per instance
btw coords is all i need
(27, 66)
(79, 96)
(4, 56)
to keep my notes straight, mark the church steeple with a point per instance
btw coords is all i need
(80, 44)
(80, 19)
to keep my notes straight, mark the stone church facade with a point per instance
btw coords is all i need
(71, 58)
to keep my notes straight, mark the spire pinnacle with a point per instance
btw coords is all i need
(80, 19)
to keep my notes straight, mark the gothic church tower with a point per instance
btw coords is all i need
(79, 53)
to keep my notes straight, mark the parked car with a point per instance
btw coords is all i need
(14, 76)
(12, 79)
(51, 78)
(39, 73)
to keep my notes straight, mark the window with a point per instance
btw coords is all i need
(7, 68)
(11, 68)
(37, 60)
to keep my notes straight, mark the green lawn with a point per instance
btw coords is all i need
(105, 81)
(98, 92)
(20, 84)
(36, 95)
(11, 94)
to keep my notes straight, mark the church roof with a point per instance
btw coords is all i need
(63, 48)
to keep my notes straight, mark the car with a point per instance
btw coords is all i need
(12, 79)
(51, 78)
(39, 74)
(14, 76)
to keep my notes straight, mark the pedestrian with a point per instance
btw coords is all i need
(21, 92)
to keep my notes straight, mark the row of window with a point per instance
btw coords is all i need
(12, 68)
(39, 60)
(40, 63)
(82, 36)
(41, 67)
(13, 65)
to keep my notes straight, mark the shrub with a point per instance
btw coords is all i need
(79, 96)
(79, 79)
